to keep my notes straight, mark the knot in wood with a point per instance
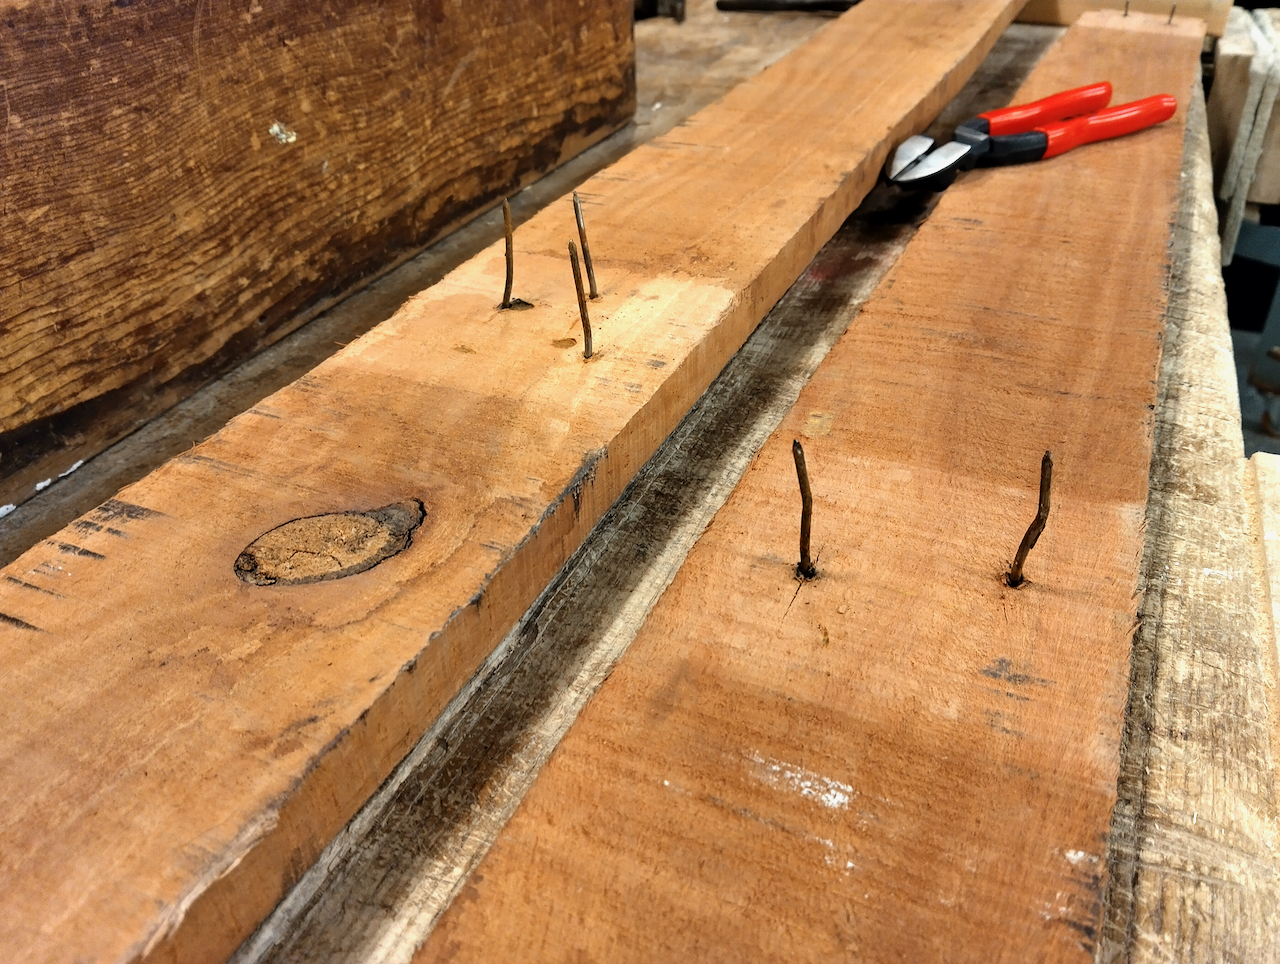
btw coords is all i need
(328, 546)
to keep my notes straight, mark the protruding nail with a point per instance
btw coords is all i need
(511, 253)
(805, 569)
(582, 301)
(1126, 8)
(1014, 578)
(1171, 13)
(586, 249)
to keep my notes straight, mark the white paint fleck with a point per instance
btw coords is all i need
(1077, 857)
(457, 72)
(282, 133)
(63, 475)
(831, 794)
(324, 169)
(41, 486)
(6, 509)
(657, 106)
(1219, 572)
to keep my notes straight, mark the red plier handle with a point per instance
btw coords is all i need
(1021, 118)
(1105, 124)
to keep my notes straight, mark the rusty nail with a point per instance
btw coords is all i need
(586, 250)
(805, 569)
(582, 301)
(1014, 578)
(511, 253)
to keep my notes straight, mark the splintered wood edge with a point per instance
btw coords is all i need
(1193, 865)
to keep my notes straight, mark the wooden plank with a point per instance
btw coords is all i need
(1065, 12)
(1265, 188)
(1251, 135)
(1230, 93)
(186, 183)
(1195, 837)
(179, 743)
(904, 759)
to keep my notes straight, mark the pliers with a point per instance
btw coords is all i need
(1025, 132)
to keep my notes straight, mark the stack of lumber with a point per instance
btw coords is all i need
(1244, 127)
(905, 758)
(184, 184)
(181, 736)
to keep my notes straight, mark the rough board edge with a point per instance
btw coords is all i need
(1192, 854)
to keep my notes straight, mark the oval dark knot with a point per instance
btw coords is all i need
(328, 546)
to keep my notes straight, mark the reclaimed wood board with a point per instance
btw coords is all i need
(1265, 188)
(904, 759)
(1064, 12)
(185, 183)
(1234, 95)
(1194, 848)
(180, 740)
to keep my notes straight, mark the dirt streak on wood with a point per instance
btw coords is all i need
(1195, 839)
(216, 734)
(904, 759)
(185, 183)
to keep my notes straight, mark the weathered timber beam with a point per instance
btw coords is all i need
(179, 741)
(903, 758)
(185, 183)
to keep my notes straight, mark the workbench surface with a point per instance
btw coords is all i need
(1194, 859)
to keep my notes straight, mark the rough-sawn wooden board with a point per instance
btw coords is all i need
(183, 184)
(177, 744)
(904, 759)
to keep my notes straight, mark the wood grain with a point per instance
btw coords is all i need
(178, 745)
(904, 759)
(157, 231)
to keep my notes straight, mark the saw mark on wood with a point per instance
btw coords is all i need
(27, 585)
(73, 550)
(114, 509)
(18, 623)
